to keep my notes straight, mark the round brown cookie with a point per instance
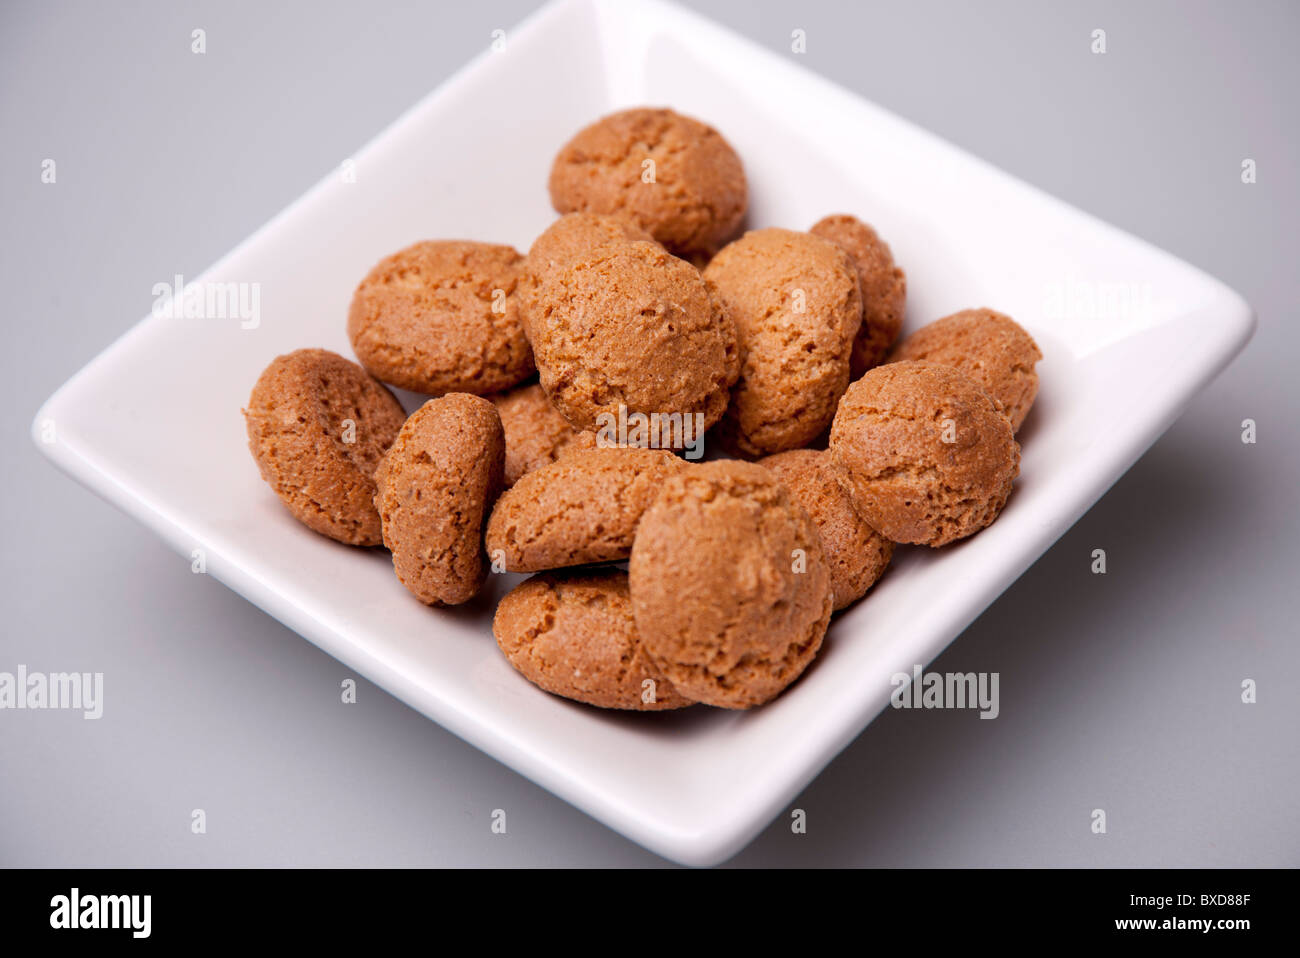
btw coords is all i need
(536, 434)
(884, 287)
(443, 316)
(857, 553)
(795, 302)
(675, 177)
(317, 426)
(630, 325)
(730, 586)
(572, 634)
(990, 348)
(582, 508)
(929, 457)
(567, 239)
(435, 488)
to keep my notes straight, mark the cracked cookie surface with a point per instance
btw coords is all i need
(991, 348)
(582, 508)
(730, 586)
(795, 301)
(318, 425)
(929, 457)
(572, 634)
(433, 492)
(673, 176)
(443, 316)
(883, 286)
(631, 325)
(858, 555)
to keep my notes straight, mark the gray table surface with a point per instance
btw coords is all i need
(1119, 692)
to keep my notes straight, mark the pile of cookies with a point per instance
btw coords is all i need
(648, 324)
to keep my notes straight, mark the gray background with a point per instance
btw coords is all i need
(1118, 691)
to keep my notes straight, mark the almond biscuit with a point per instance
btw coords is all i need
(794, 299)
(582, 508)
(730, 586)
(991, 348)
(929, 457)
(434, 490)
(572, 634)
(443, 316)
(673, 176)
(318, 425)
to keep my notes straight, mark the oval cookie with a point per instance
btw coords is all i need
(317, 427)
(730, 586)
(572, 634)
(580, 509)
(929, 457)
(435, 488)
(858, 554)
(795, 302)
(442, 316)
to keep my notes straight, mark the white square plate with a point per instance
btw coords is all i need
(1129, 334)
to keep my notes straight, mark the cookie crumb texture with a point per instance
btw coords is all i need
(536, 433)
(730, 587)
(572, 634)
(883, 286)
(672, 175)
(796, 305)
(583, 508)
(906, 480)
(992, 349)
(435, 488)
(630, 325)
(321, 467)
(443, 316)
(570, 238)
(858, 555)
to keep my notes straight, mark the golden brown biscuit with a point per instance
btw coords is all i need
(567, 239)
(443, 316)
(884, 287)
(317, 426)
(536, 434)
(435, 488)
(929, 457)
(572, 634)
(583, 508)
(989, 347)
(630, 325)
(675, 177)
(795, 302)
(857, 553)
(730, 587)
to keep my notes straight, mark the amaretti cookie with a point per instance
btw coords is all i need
(731, 590)
(567, 239)
(858, 555)
(434, 489)
(883, 285)
(628, 328)
(929, 457)
(794, 299)
(991, 348)
(536, 434)
(673, 176)
(443, 316)
(582, 508)
(318, 425)
(572, 634)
